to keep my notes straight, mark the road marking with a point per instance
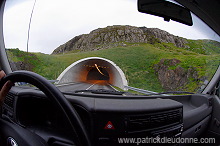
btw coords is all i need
(90, 86)
(112, 87)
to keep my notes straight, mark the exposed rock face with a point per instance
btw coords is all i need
(26, 64)
(174, 79)
(112, 36)
(164, 36)
(20, 65)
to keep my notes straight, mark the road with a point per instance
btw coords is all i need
(70, 87)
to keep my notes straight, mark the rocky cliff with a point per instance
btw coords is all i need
(172, 76)
(113, 36)
(20, 60)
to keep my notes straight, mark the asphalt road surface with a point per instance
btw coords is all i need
(94, 85)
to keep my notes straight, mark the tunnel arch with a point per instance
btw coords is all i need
(91, 69)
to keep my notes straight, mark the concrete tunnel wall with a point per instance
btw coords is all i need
(80, 70)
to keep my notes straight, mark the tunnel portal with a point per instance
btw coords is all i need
(94, 70)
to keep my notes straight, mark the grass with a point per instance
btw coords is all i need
(136, 61)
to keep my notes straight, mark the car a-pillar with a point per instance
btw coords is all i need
(94, 70)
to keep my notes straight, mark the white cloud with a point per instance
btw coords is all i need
(54, 22)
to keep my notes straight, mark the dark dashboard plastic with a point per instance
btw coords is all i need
(195, 108)
(32, 109)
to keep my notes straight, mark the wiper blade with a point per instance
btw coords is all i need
(101, 91)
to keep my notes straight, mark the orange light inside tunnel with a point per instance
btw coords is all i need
(97, 74)
(99, 82)
(98, 69)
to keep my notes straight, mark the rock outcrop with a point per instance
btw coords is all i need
(20, 65)
(172, 76)
(164, 36)
(113, 36)
(26, 61)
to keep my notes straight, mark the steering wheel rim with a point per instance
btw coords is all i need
(80, 134)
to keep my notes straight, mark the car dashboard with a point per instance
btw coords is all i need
(110, 117)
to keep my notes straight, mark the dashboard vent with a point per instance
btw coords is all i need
(152, 121)
(9, 100)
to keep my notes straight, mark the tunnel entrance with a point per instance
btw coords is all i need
(94, 70)
(95, 74)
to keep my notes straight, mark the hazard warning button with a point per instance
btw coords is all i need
(109, 125)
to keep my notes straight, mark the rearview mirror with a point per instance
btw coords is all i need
(167, 10)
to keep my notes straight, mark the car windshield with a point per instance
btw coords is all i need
(109, 43)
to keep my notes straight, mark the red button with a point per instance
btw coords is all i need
(109, 125)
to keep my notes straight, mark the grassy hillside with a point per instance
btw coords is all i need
(206, 47)
(136, 60)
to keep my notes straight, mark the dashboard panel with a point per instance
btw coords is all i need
(109, 117)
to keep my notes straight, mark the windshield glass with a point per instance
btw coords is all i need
(110, 43)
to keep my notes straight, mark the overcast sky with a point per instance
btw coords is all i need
(54, 22)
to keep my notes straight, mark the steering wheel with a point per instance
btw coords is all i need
(80, 135)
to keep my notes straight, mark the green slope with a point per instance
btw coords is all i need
(137, 61)
(207, 47)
